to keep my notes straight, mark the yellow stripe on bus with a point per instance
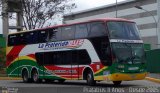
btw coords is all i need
(8, 49)
(26, 57)
(100, 70)
(22, 58)
(99, 77)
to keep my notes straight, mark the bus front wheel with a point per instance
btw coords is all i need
(90, 79)
(117, 82)
(25, 76)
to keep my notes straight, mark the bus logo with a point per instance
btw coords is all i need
(61, 44)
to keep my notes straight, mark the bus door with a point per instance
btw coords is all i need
(80, 58)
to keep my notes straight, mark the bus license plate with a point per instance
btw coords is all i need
(133, 68)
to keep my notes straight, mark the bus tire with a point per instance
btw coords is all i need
(117, 82)
(90, 79)
(25, 76)
(61, 80)
(35, 76)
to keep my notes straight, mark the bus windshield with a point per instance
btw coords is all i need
(128, 53)
(123, 30)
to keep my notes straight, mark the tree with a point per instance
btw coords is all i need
(0, 3)
(40, 13)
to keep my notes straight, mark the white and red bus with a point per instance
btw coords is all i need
(103, 49)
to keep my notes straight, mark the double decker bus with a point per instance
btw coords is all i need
(102, 49)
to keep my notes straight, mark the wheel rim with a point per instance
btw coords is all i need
(88, 77)
(25, 76)
(35, 76)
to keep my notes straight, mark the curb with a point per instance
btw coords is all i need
(10, 78)
(153, 79)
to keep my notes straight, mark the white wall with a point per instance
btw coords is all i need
(125, 12)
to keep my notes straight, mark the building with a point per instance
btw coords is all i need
(147, 20)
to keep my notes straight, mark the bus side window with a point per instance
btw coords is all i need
(97, 29)
(44, 58)
(59, 34)
(83, 57)
(66, 58)
(81, 31)
(75, 57)
(31, 37)
(55, 34)
(68, 32)
(55, 58)
(13, 40)
(43, 36)
(22, 38)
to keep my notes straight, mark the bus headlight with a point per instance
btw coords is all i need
(122, 71)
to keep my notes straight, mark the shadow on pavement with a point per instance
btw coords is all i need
(84, 84)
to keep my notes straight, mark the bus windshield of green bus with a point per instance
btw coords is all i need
(123, 30)
(129, 53)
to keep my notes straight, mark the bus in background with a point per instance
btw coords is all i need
(102, 49)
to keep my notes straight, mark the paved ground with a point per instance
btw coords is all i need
(141, 86)
(154, 75)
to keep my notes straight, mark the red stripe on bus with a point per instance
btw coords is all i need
(13, 54)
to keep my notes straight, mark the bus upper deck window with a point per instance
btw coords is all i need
(97, 29)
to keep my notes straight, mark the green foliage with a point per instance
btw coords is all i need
(2, 57)
(2, 52)
(2, 42)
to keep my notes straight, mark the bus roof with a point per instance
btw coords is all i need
(94, 20)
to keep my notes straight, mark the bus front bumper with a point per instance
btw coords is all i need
(127, 76)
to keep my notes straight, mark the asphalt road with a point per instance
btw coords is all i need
(139, 86)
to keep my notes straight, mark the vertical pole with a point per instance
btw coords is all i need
(5, 25)
(116, 8)
(19, 21)
(158, 23)
(5, 18)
